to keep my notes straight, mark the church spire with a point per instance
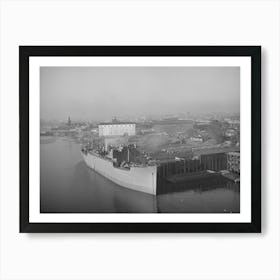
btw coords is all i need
(69, 121)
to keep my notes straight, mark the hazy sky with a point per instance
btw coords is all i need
(100, 93)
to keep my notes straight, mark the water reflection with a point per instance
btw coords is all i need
(69, 186)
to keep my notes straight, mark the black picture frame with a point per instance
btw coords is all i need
(25, 52)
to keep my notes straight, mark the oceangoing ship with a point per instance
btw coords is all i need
(128, 166)
(133, 176)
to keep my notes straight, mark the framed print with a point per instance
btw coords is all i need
(140, 138)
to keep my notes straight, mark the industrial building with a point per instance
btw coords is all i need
(233, 162)
(116, 129)
(214, 161)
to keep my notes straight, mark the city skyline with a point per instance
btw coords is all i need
(148, 118)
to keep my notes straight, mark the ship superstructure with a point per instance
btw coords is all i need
(119, 161)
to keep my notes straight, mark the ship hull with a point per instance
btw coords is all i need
(143, 179)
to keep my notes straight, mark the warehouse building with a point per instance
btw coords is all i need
(116, 129)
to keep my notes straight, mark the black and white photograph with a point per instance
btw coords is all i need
(140, 139)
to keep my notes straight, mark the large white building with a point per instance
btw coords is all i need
(116, 129)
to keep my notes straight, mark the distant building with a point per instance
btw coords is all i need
(116, 129)
(196, 139)
(233, 162)
(69, 122)
(230, 133)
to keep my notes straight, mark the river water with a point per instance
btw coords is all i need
(67, 185)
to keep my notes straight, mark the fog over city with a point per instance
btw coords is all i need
(98, 93)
